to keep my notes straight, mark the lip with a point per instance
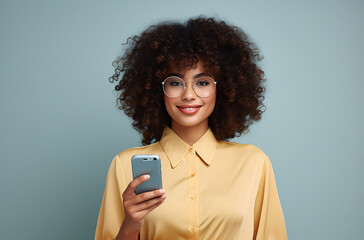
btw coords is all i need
(189, 109)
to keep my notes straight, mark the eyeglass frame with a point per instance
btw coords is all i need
(184, 86)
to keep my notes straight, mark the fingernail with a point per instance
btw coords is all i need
(162, 191)
(164, 196)
(146, 176)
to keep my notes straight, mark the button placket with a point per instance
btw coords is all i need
(193, 220)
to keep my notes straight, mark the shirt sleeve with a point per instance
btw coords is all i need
(111, 213)
(269, 221)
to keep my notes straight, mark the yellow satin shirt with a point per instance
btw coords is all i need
(215, 190)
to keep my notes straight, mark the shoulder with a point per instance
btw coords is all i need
(126, 155)
(121, 163)
(241, 148)
(247, 152)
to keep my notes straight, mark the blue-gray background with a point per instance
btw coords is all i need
(60, 127)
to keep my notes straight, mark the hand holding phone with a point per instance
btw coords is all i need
(136, 207)
(146, 169)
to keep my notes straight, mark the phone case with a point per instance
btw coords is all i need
(147, 164)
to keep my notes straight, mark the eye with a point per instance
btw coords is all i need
(174, 83)
(202, 82)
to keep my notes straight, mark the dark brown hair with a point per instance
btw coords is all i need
(228, 55)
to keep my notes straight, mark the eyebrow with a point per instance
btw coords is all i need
(196, 76)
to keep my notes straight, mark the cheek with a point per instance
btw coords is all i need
(211, 101)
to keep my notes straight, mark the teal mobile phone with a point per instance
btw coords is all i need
(147, 164)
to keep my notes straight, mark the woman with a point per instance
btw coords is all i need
(190, 87)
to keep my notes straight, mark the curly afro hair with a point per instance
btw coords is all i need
(228, 55)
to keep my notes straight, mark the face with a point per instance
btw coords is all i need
(190, 110)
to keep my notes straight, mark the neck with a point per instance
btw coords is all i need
(190, 135)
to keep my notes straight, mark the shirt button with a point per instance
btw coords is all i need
(190, 149)
(192, 228)
(193, 174)
(192, 197)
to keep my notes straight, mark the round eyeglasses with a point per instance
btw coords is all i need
(203, 86)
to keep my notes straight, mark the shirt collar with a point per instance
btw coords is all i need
(176, 149)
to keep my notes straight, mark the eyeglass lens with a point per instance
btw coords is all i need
(203, 86)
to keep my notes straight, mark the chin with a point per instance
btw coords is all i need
(189, 123)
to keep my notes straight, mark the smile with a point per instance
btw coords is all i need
(189, 109)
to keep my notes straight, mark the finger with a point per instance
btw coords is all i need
(149, 195)
(146, 211)
(148, 204)
(130, 190)
(133, 203)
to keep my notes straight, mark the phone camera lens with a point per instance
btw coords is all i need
(155, 158)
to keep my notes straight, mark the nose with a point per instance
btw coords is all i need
(189, 93)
